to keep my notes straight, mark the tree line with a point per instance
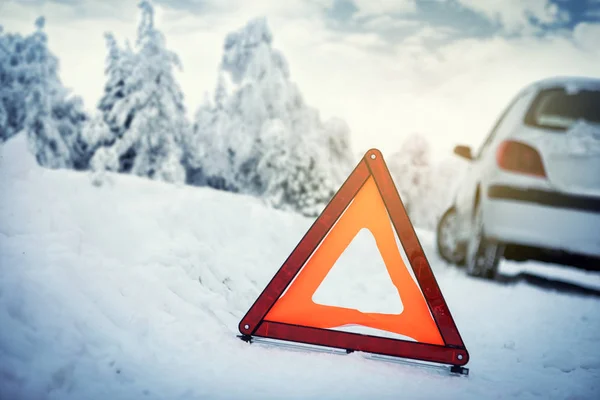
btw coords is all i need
(254, 134)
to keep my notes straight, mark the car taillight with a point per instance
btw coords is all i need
(520, 157)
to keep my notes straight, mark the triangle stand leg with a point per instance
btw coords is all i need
(457, 369)
(245, 338)
(454, 369)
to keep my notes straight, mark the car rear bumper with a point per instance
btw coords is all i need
(544, 219)
(545, 198)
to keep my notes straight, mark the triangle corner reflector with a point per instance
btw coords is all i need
(285, 310)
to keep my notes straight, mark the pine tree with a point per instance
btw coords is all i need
(220, 93)
(273, 137)
(70, 118)
(14, 81)
(115, 111)
(33, 99)
(143, 105)
(12, 99)
(193, 151)
(119, 66)
(210, 153)
(263, 139)
(4, 122)
(48, 146)
(95, 133)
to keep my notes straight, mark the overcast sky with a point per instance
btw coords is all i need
(444, 68)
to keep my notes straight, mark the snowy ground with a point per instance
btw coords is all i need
(135, 289)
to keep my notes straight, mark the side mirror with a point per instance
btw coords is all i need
(463, 151)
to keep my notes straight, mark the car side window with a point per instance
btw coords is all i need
(498, 124)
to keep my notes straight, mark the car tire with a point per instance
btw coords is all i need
(483, 254)
(448, 247)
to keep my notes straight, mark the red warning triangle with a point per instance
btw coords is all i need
(285, 309)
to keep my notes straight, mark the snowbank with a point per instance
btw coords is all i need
(134, 290)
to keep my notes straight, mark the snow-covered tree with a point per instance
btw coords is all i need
(119, 66)
(274, 137)
(96, 132)
(220, 93)
(261, 137)
(3, 122)
(411, 168)
(209, 158)
(70, 118)
(143, 106)
(339, 149)
(109, 124)
(48, 146)
(34, 99)
(12, 96)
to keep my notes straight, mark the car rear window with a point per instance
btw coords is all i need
(558, 109)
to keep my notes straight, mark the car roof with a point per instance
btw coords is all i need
(572, 82)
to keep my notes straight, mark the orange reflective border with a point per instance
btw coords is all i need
(293, 316)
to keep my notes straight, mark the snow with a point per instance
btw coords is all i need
(572, 158)
(134, 290)
(360, 280)
(583, 139)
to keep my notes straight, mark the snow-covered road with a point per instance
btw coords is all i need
(134, 290)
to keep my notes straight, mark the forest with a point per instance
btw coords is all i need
(255, 133)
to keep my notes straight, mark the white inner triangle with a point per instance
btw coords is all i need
(360, 280)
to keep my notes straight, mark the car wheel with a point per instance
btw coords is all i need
(483, 254)
(448, 246)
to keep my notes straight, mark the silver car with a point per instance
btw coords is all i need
(532, 190)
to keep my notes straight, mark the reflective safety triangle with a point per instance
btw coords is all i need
(285, 310)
